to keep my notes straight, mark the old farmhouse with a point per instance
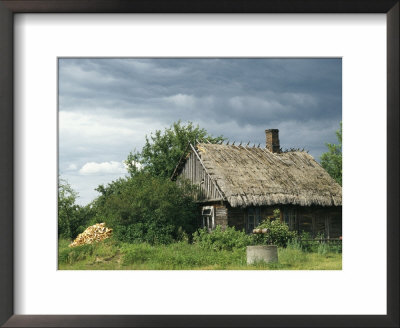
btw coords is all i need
(240, 185)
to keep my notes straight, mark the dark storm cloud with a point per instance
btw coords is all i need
(107, 106)
(240, 90)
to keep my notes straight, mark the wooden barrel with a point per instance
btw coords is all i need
(266, 253)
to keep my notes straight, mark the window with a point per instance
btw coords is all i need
(253, 218)
(207, 215)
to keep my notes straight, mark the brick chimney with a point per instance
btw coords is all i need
(272, 140)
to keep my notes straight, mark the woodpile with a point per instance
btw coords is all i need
(94, 233)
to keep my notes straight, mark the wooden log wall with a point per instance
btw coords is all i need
(267, 212)
(221, 215)
(336, 223)
(317, 220)
(312, 219)
(195, 173)
(236, 217)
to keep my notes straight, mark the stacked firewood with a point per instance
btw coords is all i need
(94, 233)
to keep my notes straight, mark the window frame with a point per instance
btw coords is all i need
(210, 215)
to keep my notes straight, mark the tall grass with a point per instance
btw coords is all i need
(318, 244)
(112, 255)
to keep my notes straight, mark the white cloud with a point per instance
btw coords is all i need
(111, 167)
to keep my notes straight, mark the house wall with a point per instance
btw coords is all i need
(196, 174)
(315, 220)
(312, 219)
(221, 215)
(237, 216)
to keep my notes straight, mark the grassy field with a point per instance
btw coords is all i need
(111, 255)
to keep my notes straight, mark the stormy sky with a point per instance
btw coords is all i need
(107, 106)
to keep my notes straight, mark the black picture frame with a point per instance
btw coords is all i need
(7, 10)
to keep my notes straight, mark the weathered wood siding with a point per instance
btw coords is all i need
(236, 217)
(221, 215)
(316, 220)
(312, 219)
(196, 174)
(267, 211)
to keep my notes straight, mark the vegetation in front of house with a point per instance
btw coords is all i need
(218, 250)
(278, 232)
(114, 255)
(318, 244)
(229, 239)
(145, 208)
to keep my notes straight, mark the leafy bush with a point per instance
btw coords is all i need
(72, 218)
(218, 239)
(278, 233)
(144, 208)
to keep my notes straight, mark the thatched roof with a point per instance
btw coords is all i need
(255, 176)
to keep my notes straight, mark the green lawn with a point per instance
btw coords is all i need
(112, 255)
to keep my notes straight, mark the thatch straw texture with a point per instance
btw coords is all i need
(255, 176)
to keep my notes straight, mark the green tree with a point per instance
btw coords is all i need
(145, 208)
(72, 218)
(67, 208)
(331, 161)
(163, 149)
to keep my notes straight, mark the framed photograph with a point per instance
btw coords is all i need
(168, 124)
(84, 83)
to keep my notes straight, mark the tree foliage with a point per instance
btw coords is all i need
(163, 149)
(331, 161)
(72, 218)
(146, 208)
